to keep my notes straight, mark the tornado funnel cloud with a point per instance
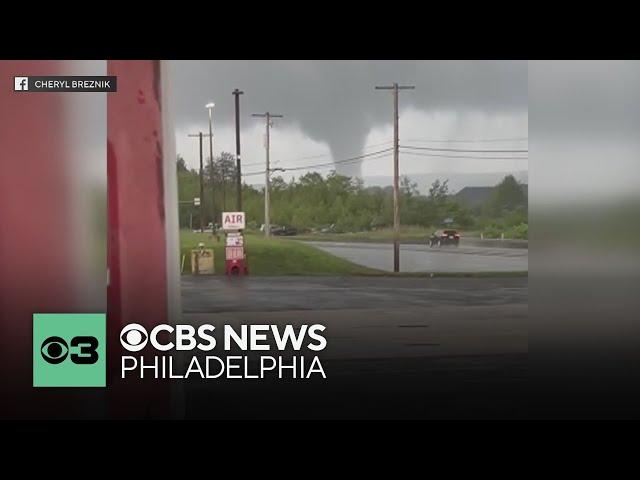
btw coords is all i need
(335, 102)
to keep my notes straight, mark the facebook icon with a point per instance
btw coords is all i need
(20, 84)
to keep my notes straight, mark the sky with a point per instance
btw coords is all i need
(331, 112)
(584, 128)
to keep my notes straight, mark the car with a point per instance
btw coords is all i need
(283, 231)
(444, 237)
(331, 229)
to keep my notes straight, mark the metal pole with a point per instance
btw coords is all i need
(201, 187)
(213, 202)
(237, 94)
(267, 222)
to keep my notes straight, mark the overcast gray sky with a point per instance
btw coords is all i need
(584, 129)
(332, 112)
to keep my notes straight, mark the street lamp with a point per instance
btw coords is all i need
(209, 106)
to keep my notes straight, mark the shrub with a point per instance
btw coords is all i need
(520, 231)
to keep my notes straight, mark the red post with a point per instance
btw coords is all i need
(137, 215)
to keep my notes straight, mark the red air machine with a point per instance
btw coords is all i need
(235, 257)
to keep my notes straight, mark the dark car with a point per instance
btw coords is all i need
(444, 237)
(283, 231)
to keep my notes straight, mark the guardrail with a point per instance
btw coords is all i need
(494, 242)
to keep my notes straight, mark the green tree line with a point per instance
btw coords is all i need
(338, 202)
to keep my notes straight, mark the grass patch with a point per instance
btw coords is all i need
(285, 256)
(409, 235)
(274, 256)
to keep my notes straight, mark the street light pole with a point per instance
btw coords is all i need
(201, 188)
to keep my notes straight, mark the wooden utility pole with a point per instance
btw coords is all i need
(200, 135)
(213, 201)
(396, 173)
(267, 172)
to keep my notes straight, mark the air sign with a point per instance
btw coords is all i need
(233, 221)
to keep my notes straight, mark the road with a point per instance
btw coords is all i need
(421, 258)
(396, 347)
(218, 294)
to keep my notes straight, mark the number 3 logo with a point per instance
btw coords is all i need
(55, 350)
(88, 354)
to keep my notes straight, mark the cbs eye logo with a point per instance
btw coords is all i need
(55, 350)
(134, 337)
(69, 350)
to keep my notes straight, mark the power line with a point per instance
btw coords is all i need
(418, 154)
(384, 153)
(329, 154)
(413, 147)
(340, 162)
(290, 160)
(368, 156)
(484, 140)
(463, 150)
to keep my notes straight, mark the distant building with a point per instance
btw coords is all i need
(476, 197)
(473, 196)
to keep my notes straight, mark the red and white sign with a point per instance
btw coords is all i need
(235, 240)
(233, 221)
(234, 253)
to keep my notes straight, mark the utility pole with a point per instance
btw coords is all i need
(396, 173)
(200, 135)
(223, 174)
(267, 223)
(237, 93)
(209, 107)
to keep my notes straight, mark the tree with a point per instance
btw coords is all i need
(408, 188)
(508, 196)
(316, 201)
(220, 177)
(188, 189)
(181, 165)
(278, 184)
(438, 191)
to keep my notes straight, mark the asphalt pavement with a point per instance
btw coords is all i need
(397, 347)
(422, 258)
(218, 294)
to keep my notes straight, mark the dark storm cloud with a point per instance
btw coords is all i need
(335, 101)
